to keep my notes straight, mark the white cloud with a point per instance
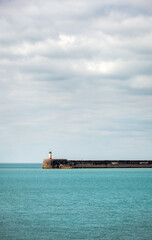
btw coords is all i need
(141, 82)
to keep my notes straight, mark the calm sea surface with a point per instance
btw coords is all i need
(37, 204)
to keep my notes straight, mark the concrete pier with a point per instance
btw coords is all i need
(64, 163)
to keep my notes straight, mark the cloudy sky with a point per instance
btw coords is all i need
(75, 78)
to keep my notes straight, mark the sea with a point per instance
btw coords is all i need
(67, 204)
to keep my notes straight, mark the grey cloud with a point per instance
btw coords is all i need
(76, 73)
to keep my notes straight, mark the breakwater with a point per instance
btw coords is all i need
(64, 163)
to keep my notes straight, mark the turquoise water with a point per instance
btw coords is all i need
(74, 203)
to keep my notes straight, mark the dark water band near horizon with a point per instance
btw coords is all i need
(54, 204)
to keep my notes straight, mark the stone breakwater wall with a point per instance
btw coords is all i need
(64, 163)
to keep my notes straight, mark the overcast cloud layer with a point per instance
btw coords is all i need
(75, 78)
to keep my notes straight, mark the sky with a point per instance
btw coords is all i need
(75, 79)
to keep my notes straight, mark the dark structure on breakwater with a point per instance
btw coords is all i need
(64, 163)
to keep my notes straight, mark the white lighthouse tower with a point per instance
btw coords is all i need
(50, 155)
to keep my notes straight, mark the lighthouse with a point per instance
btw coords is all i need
(50, 155)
